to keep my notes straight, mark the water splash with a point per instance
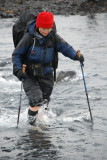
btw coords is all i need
(80, 118)
(45, 115)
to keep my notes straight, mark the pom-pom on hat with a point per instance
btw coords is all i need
(45, 20)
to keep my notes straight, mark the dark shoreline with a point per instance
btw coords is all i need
(13, 8)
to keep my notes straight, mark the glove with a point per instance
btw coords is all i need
(20, 75)
(79, 58)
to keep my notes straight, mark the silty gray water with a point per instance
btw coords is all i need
(66, 131)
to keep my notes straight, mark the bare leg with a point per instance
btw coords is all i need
(35, 108)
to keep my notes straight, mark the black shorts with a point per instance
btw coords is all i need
(38, 89)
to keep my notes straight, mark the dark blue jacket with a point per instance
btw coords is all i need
(32, 45)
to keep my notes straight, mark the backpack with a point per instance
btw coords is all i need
(21, 27)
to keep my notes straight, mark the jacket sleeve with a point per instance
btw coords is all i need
(63, 47)
(19, 53)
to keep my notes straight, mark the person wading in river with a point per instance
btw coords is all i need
(37, 50)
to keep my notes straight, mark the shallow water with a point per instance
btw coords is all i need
(65, 132)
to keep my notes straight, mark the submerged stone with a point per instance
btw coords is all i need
(63, 75)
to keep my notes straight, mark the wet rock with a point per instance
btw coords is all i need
(103, 9)
(82, 13)
(4, 15)
(65, 76)
(7, 138)
(57, 7)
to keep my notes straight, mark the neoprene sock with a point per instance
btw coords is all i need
(32, 116)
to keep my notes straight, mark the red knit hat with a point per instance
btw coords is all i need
(45, 20)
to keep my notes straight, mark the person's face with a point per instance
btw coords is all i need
(45, 31)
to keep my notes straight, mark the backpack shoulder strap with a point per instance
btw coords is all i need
(55, 60)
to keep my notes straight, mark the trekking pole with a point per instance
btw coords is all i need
(23, 70)
(81, 64)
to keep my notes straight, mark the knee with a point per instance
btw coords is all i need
(34, 102)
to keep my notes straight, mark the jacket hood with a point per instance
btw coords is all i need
(32, 27)
(35, 33)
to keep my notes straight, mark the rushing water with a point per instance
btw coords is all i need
(65, 132)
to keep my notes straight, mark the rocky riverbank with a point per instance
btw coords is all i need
(13, 8)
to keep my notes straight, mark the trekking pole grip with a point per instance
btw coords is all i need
(78, 53)
(79, 56)
(24, 68)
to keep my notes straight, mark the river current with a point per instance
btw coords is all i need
(65, 131)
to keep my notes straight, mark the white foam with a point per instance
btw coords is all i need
(45, 116)
(79, 118)
(71, 119)
(8, 82)
(9, 86)
(8, 118)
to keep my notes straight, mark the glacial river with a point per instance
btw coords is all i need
(65, 131)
